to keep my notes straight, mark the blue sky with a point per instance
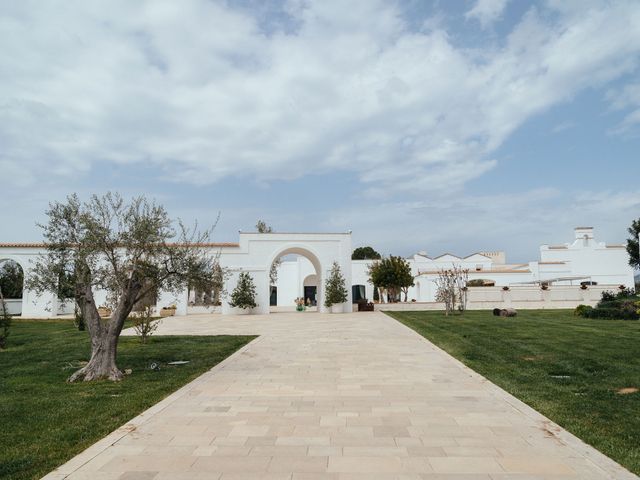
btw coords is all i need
(439, 126)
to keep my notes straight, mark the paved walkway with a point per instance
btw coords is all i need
(336, 397)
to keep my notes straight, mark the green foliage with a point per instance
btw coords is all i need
(632, 244)
(480, 282)
(614, 306)
(582, 310)
(46, 421)
(598, 358)
(5, 323)
(244, 295)
(11, 279)
(78, 319)
(365, 253)
(145, 324)
(392, 274)
(262, 227)
(335, 290)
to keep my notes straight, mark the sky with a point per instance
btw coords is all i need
(445, 126)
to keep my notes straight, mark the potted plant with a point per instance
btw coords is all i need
(300, 304)
(505, 288)
(169, 311)
(335, 289)
(104, 311)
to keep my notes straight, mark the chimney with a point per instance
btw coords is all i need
(585, 234)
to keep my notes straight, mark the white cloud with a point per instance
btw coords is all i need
(517, 222)
(203, 92)
(487, 11)
(626, 98)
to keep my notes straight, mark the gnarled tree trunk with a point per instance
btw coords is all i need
(104, 334)
(102, 364)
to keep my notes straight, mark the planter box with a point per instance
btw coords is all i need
(167, 312)
(104, 312)
(336, 308)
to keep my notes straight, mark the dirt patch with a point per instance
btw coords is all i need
(627, 390)
(532, 358)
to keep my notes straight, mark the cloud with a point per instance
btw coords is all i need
(626, 98)
(517, 222)
(202, 91)
(487, 11)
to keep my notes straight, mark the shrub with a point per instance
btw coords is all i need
(144, 324)
(244, 295)
(607, 296)
(619, 309)
(582, 310)
(78, 319)
(625, 292)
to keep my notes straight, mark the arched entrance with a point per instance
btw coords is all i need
(311, 285)
(12, 285)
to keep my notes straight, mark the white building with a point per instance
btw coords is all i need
(307, 259)
(583, 260)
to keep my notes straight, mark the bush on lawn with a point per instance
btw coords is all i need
(620, 306)
(582, 310)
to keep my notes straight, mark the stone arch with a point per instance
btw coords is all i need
(15, 304)
(313, 257)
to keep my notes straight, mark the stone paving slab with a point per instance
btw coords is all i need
(336, 397)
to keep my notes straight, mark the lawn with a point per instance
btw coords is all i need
(46, 421)
(568, 368)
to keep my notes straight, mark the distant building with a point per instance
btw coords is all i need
(307, 259)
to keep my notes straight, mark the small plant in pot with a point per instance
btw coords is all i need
(169, 311)
(300, 306)
(335, 289)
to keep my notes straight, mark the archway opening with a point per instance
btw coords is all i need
(295, 278)
(12, 285)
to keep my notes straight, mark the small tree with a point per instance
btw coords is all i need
(452, 288)
(446, 290)
(126, 249)
(392, 274)
(632, 244)
(144, 324)
(335, 290)
(244, 295)
(5, 322)
(365, 253)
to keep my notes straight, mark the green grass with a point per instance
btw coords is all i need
(523, 354)
(45, 421)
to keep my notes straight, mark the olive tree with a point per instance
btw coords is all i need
(127, 249)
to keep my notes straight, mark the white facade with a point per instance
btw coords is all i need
(308, 257)
(583, 260)
(254, 253)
